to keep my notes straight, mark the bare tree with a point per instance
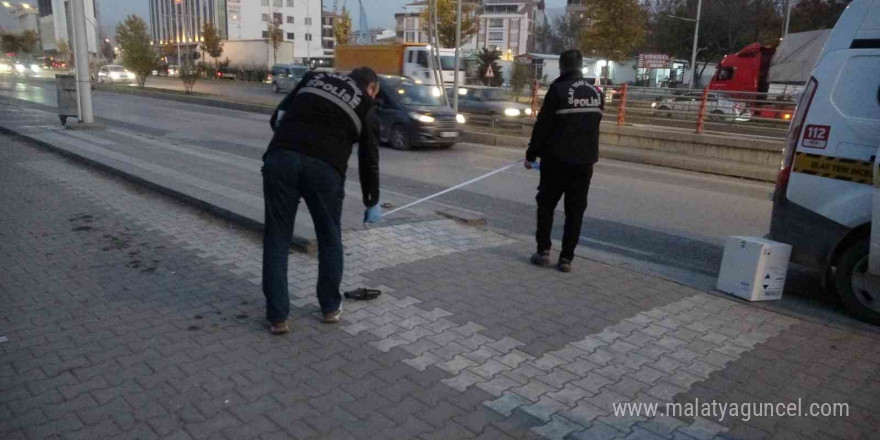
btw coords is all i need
(274, 39)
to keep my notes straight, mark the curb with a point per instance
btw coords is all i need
(299, 243)
(189, 99)
(642, 156)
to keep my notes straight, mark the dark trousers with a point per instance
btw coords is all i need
(558, 179)
(287, 176)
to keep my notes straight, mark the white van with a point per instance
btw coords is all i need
(826, 192)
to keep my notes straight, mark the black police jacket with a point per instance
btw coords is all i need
(323, 117)
(567, 129)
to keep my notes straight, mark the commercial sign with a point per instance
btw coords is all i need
(654, 61)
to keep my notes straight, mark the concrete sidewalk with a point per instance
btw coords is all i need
(126, 314)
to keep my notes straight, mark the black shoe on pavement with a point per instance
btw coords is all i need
(564, 265)
(541, 258)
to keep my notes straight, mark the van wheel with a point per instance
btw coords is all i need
(398, 139)
(275, 88)
(851, 281)
(664, 108)
(716, 116)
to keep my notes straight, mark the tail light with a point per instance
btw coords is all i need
(794, 135)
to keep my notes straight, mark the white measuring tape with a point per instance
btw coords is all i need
(475, 179)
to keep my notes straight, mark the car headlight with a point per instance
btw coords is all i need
(511, 112)
(653, 104)
(35, 67)
(460, 118)
(528, 112)
(422, 118)
(20, 67)
(5, 68)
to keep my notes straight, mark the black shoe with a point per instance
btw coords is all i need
(564, 265)
(541, 258)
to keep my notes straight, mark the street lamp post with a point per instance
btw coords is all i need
(787, 18)
(457, 55)
(81, 55)
(693, 73)
(694, 50)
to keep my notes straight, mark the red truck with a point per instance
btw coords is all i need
(781, 71)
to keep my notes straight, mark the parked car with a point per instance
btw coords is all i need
(284, 77)
(719, 107)
(414, 114)
(225, 75)
(490, 101)
(115, 74)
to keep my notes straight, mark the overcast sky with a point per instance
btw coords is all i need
(380, 13)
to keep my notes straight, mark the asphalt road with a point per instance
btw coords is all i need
(256, 93)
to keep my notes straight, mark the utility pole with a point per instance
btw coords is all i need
(696, 21)
(81, 55)
(787, 18)
(694, 50)
(178, 30)
(457, 56)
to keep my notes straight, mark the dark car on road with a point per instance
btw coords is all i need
(414, 114)
(489, 101)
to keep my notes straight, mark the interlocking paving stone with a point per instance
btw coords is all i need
(651, 343)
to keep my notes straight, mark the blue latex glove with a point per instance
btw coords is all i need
(536, 165)
(373, 214)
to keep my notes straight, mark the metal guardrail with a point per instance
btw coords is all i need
(701, 106)
(767, 113)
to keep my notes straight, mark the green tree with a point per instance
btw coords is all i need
(10, 43)
(809, 15)
(189, 75)
(211, 43)
(107, 50)
(25, 43)
(30, 42)
(62, 49)
(134, 43)
(485, 59)
(519, 78)
(568, 31)
(617, 29)
(341, 24)
(447, 12)
(275, 38)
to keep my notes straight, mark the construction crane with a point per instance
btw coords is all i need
(363, 26)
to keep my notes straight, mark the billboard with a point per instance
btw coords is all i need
(654, 61)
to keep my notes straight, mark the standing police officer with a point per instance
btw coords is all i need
(566, 138)
(315, 128)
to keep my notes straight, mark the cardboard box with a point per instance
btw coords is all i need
(754, 268)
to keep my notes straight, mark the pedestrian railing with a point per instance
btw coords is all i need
(767, 114)
(702, 107)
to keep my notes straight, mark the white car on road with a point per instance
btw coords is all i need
(719, 107)
(115, 74)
